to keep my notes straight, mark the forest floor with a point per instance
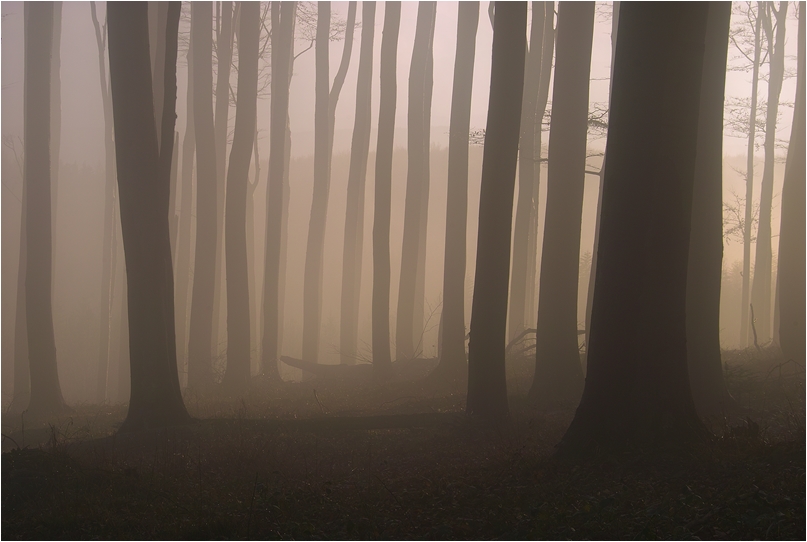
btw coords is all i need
(401, 461)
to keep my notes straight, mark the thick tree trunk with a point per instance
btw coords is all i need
(200, 370)
(558, 375)
(324, 113)
(144, 182)
(236, 378)
(357, 175)
(705, 266)
(761, 289)
(416, 187)
(792, 233)
(46, 394)
(637, 386)
(453, 361)
(282, 43)
(487, 387)
(383, 191)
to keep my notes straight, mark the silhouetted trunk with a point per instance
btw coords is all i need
(173, 214)
(282, 42)
(792, 233)
(637, 385)
(761, 289)
(46, 394)
(406, 343)
(324, 113)
(224, 57)
(357, 175)
(548, 49)
(109, 202)
(200, 375)
(256, 292)
(55, 126)
(144, 169)
(487, 387)
(527, 164)
(383, 190)
(558, 375)
(236, 378)
(452, 365)
(158, 12)
(749, 187)
(22, 373)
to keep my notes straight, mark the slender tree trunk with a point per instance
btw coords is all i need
(453, 362)
(144, 169)
(416, 186)
(383, 191)
(256, 295)
(236, 378)
(282, 42)
(791, 273)
(637, 386)
(200, 370)
(487, 387)
(324, 114)
(761, 289)
(357, 174)
(22, 373)
(173, 213)
(749, 188)
(705, 266)
(55, 128)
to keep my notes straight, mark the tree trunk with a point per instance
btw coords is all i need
(487, 387)
(200, 370)
(383, 191)
(792, 232)
(324, 113)
(416, 188)
(705, 266)
(144, 169)
(55, 128)
(453, 362)
(22, 372)
(357, 175)
(236, 378)
(637, 386)
(761, 289)
(558, 375)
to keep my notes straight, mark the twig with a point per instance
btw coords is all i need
(377, 477)
(754, 329)
(251, 502)
(321, 408)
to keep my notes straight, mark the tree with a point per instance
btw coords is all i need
(144, 169)
(705, 267)
(487, 387)
(357, 174)
(558, 373)
(527, 164)
(761, 289)
(637, 386)
(383, 191)
(237, 374)
(792, 233)
(22, 371)
(200, 372)
(416, 186)
(452, 365)
(324, 115)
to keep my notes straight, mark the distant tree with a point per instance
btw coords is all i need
(383, 191)
(236, 377)
(558, 373)
(416, 184)
(487, 387)
(22, 371)
(324, 116)
(357, 174)
(792, 233)
(705, 267)
(637, 385)
(200, 371)
(453, 361)
(144, 169)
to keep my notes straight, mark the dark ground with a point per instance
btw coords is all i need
(413, 467)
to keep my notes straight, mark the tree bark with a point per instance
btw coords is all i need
(637, 386)
(792, 241)
(383, 191)
(487, 387)
(357, 175)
